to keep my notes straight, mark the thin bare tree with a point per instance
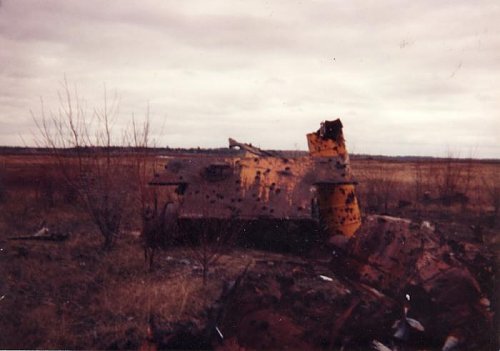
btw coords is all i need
(156, 226)
(83, 145)
(210, 238)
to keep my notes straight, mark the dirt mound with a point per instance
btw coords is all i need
(448, 285)
(396, 282)
(298, 305)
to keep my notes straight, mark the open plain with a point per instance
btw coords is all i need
(74, 294)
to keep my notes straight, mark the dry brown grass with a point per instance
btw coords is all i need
(75, 295)
(408, 181)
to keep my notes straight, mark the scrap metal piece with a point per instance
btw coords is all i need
(328, 140)
(43, 234)
(249, 148)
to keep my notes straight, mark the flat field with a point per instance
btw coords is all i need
(74, 294)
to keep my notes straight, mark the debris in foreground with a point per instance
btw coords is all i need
(394, 285)
(43, 234)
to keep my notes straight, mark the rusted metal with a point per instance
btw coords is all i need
(259, 184)
(401, 258)
(338, 204)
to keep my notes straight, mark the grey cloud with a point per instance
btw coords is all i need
(247, 69)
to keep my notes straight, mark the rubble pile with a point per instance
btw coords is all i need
(448, 285)
(395, 285)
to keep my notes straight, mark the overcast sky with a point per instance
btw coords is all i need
(405, 77)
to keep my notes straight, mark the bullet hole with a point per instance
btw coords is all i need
(277, 191)
(181, 189)
(350, 198)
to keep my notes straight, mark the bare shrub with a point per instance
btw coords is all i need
(444, 182)
(144, 163)
(448, 180)
(452, 179)
(84, 150)
(492, 190)
(378, 191)
(419, 183)
(158, 229)
(158, 224)
(210, 238)
(425, 185)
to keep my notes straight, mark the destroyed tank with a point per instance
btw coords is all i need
(396, 280)
(261, 189)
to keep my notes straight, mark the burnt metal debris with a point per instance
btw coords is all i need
(374, 293)
(395, 285)
(43, 234)
(318, 188)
